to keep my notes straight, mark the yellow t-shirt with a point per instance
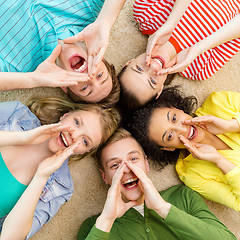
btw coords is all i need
(205, 177)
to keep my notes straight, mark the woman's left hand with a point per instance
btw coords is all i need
(181, 61)
(201, 151)
(51, 164)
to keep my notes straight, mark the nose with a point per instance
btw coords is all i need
(180, 128)
(75, 134)
(94, 82)
(127, 170)
(154, 67)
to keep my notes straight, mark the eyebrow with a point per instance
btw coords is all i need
(149, 82)
(168, 118)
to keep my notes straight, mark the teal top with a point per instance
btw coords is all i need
(11, 189)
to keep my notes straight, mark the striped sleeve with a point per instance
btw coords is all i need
(201, 19)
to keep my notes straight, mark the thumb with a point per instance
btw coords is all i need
(55, 53)
(76, 38)
(131, 204)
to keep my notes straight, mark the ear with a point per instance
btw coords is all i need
(168, 149)
(62, 117)
(64, 89)
(103, 176)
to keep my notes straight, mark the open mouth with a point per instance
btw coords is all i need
(160, 60)
(77, 63)
(130, 183)
(192, 133)
(63, 140)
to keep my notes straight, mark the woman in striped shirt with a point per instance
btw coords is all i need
(195, 38)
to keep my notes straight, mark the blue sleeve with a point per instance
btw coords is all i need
(97, 6)
(15, 116)
(45, 211)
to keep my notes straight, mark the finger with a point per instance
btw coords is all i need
(94, 67)
(137, 171)
(55, 53)
(118, 175)
(99, 56)
(76, 38)
(183, 139)
(90, 61)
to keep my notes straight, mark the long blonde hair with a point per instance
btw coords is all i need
(49, 110)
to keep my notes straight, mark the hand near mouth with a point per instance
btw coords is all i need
(48, 74)
(181, 61)
(201, 151)
(160, 37)
(153, 199)
(214, 124)
(96, 38)
(114, 206)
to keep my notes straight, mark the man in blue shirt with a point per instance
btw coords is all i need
(31, 30)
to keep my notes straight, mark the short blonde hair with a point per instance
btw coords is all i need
(50, 110)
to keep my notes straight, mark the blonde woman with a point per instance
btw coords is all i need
(24, 145)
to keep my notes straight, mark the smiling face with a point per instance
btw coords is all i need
(166, 125)
(73, 57)
(121, 151)
(86, 128)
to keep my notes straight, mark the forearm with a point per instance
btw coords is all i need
(19, 221)
(228, 32)
(163, 209)
(224, 164)
(12, 80)
(178, 10)
(103, 223)
(110, 11)
(8, 138)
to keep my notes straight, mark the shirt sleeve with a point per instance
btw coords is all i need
(44, 212)
(224, 105)
(89, 231)
(197, 222)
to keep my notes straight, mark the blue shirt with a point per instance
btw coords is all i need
(15, 116)
(29, 29)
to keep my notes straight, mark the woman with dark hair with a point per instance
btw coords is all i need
(211, 166)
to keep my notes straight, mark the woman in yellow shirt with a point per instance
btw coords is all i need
(211, 166)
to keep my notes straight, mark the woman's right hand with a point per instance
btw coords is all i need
(214, 124)
(42, 133)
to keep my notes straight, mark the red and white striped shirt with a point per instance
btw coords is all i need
(201, 19)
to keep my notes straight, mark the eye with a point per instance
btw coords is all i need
(100, 75)
(169, 136)
(134, 159)
(114, 166)
(139, 68)
(76, 122)
(174, 118)
(85, 142)
(152, 81)
(84, 87)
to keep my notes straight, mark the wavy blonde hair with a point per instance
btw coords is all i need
(49, 110)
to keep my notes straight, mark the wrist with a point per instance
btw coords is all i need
(104, 223)
(163, 209)
(32, 79)
(233, 125)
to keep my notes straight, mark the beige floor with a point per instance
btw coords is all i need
(126, 42)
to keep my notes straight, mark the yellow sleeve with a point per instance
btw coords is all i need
(224, 189)
(225, 105)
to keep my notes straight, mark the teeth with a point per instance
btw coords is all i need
(191, 135)
(159, 61)
(129, 180)
(82, 67)
(64, 140)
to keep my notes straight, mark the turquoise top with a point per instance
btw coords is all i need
(11, 189)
